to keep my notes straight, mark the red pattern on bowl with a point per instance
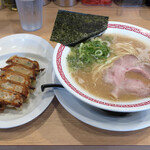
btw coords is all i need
(64, 78)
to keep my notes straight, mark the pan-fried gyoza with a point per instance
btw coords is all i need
(23, 61)
(15, 87)
(20, 69)
(17, 80)
(10, 98)
(17, 77)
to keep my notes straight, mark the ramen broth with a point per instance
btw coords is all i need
(96, 85)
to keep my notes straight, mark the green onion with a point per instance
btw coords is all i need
(84, 55)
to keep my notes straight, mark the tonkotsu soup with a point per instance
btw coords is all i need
(118, 72)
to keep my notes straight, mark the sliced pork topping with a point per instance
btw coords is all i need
(116, 75)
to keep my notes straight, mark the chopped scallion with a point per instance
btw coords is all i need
(84, 55)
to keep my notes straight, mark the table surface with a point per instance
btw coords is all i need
(56, 126)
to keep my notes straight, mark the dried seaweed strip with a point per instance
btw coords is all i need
(71, 27)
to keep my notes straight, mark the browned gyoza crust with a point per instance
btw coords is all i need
(2, 107)
(15, 87)
(23, 61)
(10, 98)
(16, 81)
(21, 69)
(16, 77)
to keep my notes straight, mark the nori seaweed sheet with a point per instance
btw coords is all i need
(71, 28)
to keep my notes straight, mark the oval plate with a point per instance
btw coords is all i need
(35, 48)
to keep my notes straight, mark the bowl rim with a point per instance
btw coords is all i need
(121, 107)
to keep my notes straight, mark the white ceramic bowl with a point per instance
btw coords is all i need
(62, 73)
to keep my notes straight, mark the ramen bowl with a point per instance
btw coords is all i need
(64, 76)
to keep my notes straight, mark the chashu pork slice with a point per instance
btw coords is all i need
(15, 87)
(116, 76)
(10, 98)
(16, 77)
(23, 61)
(21, 69)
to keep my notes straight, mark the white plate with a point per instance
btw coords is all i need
(36, 48)
(62, 72)
(101, 119)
